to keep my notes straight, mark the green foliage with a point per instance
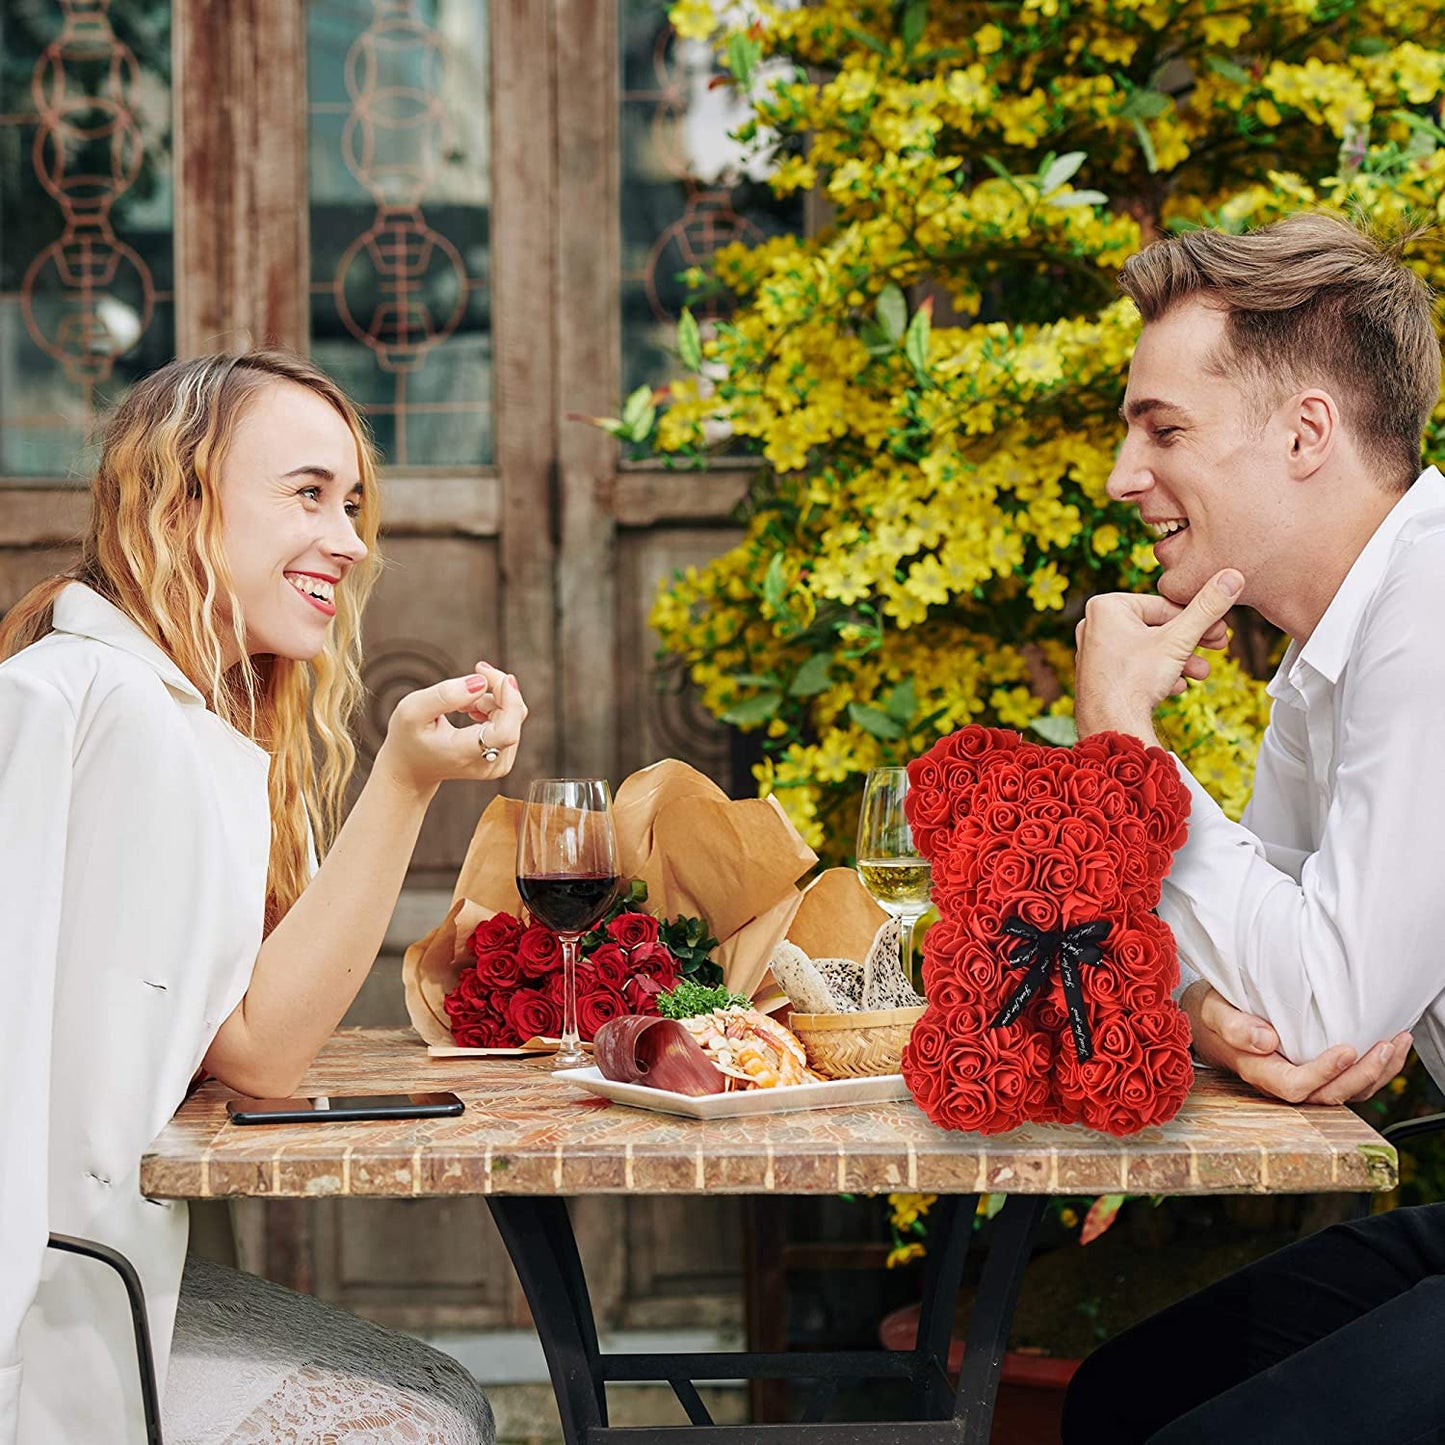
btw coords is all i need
(930, 382)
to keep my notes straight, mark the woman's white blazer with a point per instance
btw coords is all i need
(134, 837)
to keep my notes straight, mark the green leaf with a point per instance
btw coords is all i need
(636, 404)
(1062, 731)
(873, 720)
(1078, 198)
(1146, 144)
(1145, 105)
(638, 414)
(1228, 69)
(689, 340)
(902, 702)
(1102, 1213)
(743, 56)
(992, 1203)
(753, 710)
(915, 17)
(864, 38)
(892, 310)
(876, 341)
(915, 344)
(1000, 170)
(775, 586)
(1061, 169)
(1420, 124)
(813, 676)
(755, 679)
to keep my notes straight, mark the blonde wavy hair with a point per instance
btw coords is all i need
(153, 549)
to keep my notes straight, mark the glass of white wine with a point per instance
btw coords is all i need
(891, 867)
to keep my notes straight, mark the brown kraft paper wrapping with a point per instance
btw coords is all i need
(734, 862)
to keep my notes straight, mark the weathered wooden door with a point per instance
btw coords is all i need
(472, 212)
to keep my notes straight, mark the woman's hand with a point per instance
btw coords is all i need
(423, 748)
(1246, 1045)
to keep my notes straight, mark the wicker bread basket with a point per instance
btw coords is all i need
(855, 1045)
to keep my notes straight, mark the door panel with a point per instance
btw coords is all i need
(473, 212)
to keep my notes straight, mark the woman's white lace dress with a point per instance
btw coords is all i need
(255, 1364)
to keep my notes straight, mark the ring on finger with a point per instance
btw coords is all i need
(489, 754)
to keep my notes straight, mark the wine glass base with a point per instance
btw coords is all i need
(566, 1058)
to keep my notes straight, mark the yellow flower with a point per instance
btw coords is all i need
(1048, 588)
(1143, 557)
(1068, 1217)
(693, 19)
(988, 39)
(1106, 539)
(904, 1254)
(1015, 707)
(1225, 31)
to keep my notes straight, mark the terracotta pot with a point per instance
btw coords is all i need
(1031, 1388)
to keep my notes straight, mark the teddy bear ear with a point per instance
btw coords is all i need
(942, 782)
(1150, 776)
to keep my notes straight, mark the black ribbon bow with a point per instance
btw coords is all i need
(1038, 951)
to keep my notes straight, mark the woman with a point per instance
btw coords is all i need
(173, 756)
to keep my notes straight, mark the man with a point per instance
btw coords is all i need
(1275, 408)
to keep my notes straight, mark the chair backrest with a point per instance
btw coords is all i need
(150, 1397)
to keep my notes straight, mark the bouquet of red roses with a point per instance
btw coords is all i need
(1048, 974)
(512, 990)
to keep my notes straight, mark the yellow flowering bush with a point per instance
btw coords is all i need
(930, 381)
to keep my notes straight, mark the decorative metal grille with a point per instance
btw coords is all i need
(687, 190)
(400, 194)
(86, 250)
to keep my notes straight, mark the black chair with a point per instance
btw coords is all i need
(1413, 1128)
(1398, 1134)
(150, 1396)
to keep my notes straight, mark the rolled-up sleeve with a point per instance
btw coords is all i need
(36, 743)
(1345, 943)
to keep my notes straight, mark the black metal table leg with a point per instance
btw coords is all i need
(950, 1230)
(993, 1308)
(538, 1235)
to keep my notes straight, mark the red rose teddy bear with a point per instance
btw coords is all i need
(1048, 975)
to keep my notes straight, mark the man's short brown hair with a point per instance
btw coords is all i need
(1311, 299)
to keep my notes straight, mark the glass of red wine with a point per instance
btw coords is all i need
(567, 876)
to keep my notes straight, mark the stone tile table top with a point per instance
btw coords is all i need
(526, 1132)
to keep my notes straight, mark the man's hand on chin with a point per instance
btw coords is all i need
(1134, 650)
(1246, 1045)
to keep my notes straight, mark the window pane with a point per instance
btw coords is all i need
(86, 220)
(687, 190)
(400, 161)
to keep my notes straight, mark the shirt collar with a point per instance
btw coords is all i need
(1328, 648)
(82, 611)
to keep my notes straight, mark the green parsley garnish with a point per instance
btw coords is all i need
(689, 999)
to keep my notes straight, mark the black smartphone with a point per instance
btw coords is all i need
(342, 1108)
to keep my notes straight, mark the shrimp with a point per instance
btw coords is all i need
(750, 1049)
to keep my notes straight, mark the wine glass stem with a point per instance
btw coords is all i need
(571, 1050)
(905, 942)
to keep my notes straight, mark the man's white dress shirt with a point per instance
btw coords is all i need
(134, 839)
(1324, 908)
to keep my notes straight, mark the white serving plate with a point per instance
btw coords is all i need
(787, 1099)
